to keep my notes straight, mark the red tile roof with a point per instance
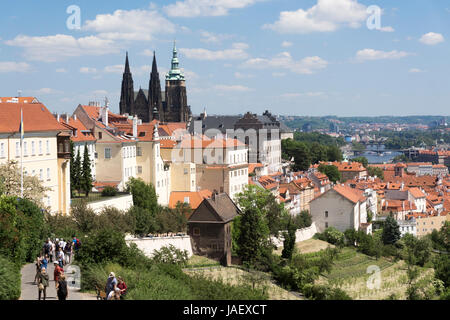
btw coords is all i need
(195, 198)
(36, 117)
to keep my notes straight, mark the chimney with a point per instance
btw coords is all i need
(75, 117)
(135, 128)
(104, 113)
(57, 117)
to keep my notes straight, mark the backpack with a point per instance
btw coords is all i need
(78, 243)
(68, 247)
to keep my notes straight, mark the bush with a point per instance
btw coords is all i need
(109, 191)
(83, 216)
(333, 236)
(171, 255)
(320, 292)
(10, 281)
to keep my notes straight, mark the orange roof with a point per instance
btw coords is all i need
(36, 117)
(253, 166)
(267, 182)
(354, 195)
(416, 193)
(194, 198)
(79, 126)
(19, 100)
(167, 144)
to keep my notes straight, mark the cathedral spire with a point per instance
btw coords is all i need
(175, 72)
(127, 65)
(154, 66)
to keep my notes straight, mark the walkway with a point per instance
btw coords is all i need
(30, 290)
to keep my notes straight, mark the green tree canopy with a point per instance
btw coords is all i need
(391, 231)
(331, 172)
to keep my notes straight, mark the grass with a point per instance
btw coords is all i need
(201, 261)
(349, 273)
(308, 246)
(235, 276)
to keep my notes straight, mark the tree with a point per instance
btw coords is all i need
(331, 172)
(77, 173)
(253, 231)
(391, 231)
(144, 195)
(289, 242)
(32, 187)
(334, 154)
(86, 175)
(302, 157)
(362, 160)
(375, 171)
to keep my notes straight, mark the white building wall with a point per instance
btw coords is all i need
(148, 245)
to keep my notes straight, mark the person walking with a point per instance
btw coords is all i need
(43, 283)
(61, 288)
(57, 273)
(61, 257)
(123, 287)
(44, 262)
(53, 251)
(114, 295)
(38, 269)
(111, 284)
(68, 252)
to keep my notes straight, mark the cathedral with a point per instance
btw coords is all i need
(165, 106)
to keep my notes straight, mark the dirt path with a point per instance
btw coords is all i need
(30, 290)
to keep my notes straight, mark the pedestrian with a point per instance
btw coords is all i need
(111, 284)
(53, 251)
(68, 252)
(61, 288)
(123, 287)
(44, 262)
(61, 257)
(43, 283)
(38, 269)
(57, 273)
(114, 295)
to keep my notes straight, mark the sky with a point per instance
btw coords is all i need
(292, 57)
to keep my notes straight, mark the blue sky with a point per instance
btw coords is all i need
(293, 57)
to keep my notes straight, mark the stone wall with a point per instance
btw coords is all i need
(300, 235)
(124, 203)
(148, 245)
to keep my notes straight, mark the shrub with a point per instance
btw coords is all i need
(83, 216)
(321, 292)
(171, 255)
(9, 280)
(333, 236)
(109, 191)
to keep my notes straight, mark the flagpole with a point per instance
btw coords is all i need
(21, 153)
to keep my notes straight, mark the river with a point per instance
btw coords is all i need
(374, 157)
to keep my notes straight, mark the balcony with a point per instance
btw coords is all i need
(63, 142)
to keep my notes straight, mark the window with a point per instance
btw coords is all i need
(48, 173)
(33, 151)
(48, 201)
(2, 150)
(41, 174)
(139, 169)
(40, 147)
(100, 135)
(196, 231)
(17, 149)
(107, 153)
(185, 171)
(326, 214)
(139, 151)
(326, 224)
(48, 146)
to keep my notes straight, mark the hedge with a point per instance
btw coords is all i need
(10, 281)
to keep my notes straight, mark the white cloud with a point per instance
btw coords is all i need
(46, 91)
(387, 29)
(239, 75)
(415, 70)
(88, 70)
(234, 88)
(284, 60)
(210, 37)
(118, 68)
(130, 25)
(432, 38)
(237, 52)
(199, 8)
(325, 16)
(371, 54)
(60, 46)
(11, 66)
(61, 70)
(286, 44)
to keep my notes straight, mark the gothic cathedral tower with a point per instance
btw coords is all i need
(155, 105)
(177, 109)
(127, 94)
